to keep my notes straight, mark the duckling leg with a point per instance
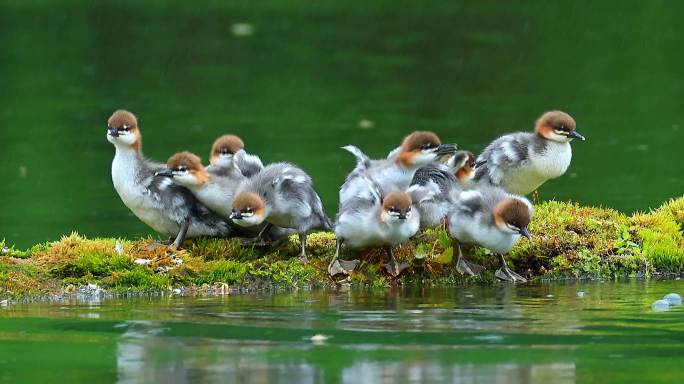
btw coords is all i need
(505, 273)
(181, 233)
(337, 266)
(257, 241)
(463, 266)
(394, 268)
(302, 244)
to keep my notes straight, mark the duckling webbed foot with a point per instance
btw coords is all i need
(465, 267)
(468, 268)
(505, 273)
(342, 267)
(394, 268)
(338, 266)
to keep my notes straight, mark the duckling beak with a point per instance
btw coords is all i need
(480, 163)
(575, 135)
(165, 173)
(526, 232)
(113, 132)
(236, 216)
(402, 216)
(445, 149)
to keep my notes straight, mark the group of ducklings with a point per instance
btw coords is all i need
(383, 202)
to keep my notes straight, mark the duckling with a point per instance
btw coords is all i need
(492, 218)
(167, 208)
(433, 187)
(214, 191)
(282, 195)
(521, 162)
(417, 149)
(373, 220)
(228, 154)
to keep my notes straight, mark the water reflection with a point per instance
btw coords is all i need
(503, 334)
(140, 359)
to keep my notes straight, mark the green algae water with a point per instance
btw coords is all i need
(297, 80)
(560, 333)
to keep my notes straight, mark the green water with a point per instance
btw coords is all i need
(470, 334)
(297, 88)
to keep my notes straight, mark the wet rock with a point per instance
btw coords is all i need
(673, 299)
(318, 339)
(660, 305)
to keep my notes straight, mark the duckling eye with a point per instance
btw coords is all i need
(248, 210)
(181, 169)
(224, 151)
(392, 209)
(427, 146)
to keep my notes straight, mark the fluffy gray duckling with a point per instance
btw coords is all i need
(372, 219)
(433, 187)
(167, 208)
(492, 218)
(417, 149)
(281, 195)
(521, 162)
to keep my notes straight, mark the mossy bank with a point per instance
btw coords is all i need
(569, 241)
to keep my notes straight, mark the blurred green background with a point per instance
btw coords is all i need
(297, 80)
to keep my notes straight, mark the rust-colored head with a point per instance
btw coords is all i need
(557, 126)
(122, 129)
(248, 209)
(422, 147)
(396, 206)
(464, 166)
(513, 215)
(224, 148)
(186, 169)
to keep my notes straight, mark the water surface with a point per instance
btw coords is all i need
(561, 333)
(297, 80)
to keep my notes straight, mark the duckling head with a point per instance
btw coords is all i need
(224, 149)
(423, 147)
(122, 129)
(248, 209)
(463, 164)
(396, 208)
(557, 126)
(186, 169)
(512, 215)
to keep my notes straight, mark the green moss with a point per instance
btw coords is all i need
(568, 241)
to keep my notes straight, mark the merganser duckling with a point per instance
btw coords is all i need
(166, 207)
(371, 220)
(493, 219)
(216, 192)
(433, 186)
(228, 153)
(417, 149)
(521, 162)
(282, 195)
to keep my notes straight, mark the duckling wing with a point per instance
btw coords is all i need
(504, 153)
(248, 164)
